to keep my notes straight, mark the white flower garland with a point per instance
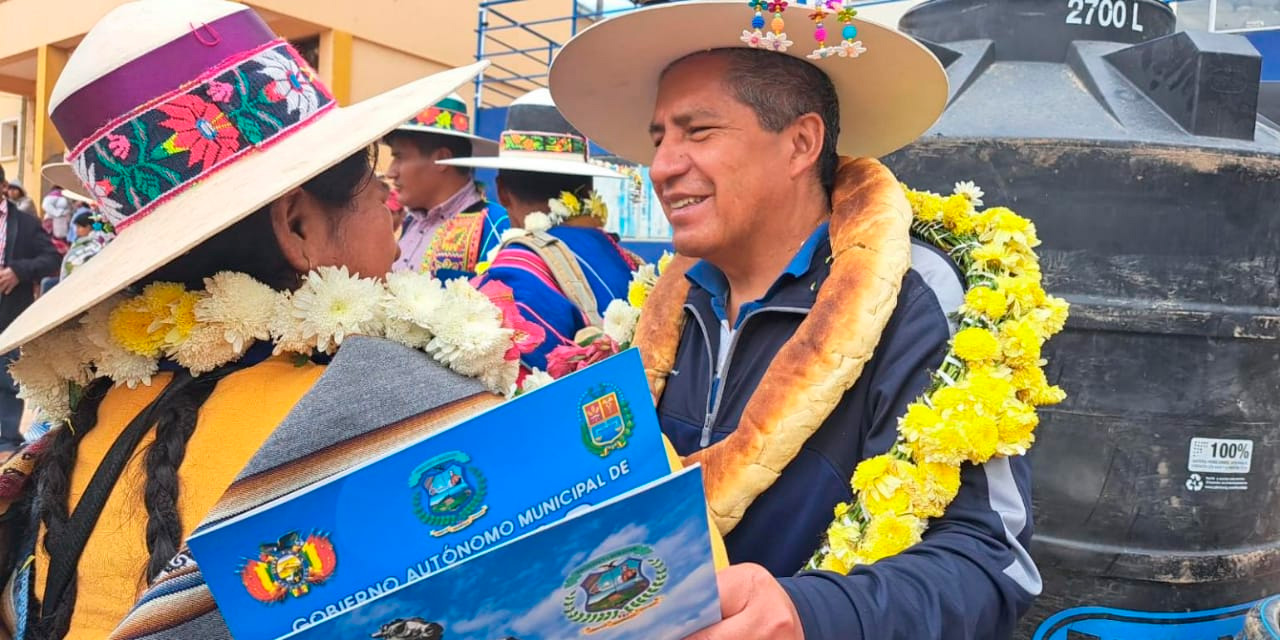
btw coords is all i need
(125, 337)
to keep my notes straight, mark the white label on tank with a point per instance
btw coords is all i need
(1215, 455)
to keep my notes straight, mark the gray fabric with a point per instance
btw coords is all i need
(941, 276)
(207, 627)
(371, 383)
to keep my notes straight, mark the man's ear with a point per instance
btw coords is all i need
(292, 229)
(805, 135)
(504, 194)
(441, 153)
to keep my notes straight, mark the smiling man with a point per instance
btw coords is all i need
(448, 228)
(800, 318)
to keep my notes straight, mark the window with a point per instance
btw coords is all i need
(10, 139)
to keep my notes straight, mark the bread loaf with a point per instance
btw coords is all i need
(871, 253)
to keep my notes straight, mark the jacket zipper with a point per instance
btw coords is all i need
(718, 382)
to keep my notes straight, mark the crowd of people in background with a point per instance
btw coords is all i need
(37, 250)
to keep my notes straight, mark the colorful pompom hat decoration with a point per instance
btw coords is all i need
(605, 79)
(451, 116)
(183, 118)
(538, 139)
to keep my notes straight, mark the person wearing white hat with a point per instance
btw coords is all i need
(798, 321)
(448, 228)
(562, 267)
(247, 273)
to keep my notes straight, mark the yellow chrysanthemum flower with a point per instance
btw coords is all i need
(162, 295)
(1020, 343)
(957, 214)
(637, 294)
(927, 206)
(571, 201)
(889, 535)
(939, 483)
(1023, 291)
(1051, 316)
(831, 562)
(181, 320)
(1017, 426)
(1003, 226)
(963, 430)
(991, 389)
(664, 261)
(885, 484)
(919, 420)
(949, 398)
(130, 326)
(986, 301)
(841, 509)
(843, 541)
(976, 345)
(1034, 388)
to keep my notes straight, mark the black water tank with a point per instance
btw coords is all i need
(1140, 156)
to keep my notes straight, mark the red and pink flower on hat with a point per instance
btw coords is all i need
(201, 129)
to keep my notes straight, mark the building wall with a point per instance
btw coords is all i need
(12, 118)
(390, 42)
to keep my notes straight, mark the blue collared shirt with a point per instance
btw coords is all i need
(713, 281)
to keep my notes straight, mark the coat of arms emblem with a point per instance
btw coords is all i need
(614, 588)
(606, 419)
(289, 566)
(448, 492)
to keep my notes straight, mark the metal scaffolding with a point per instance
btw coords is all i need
(520, 49)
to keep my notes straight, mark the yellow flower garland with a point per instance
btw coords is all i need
(982, 400)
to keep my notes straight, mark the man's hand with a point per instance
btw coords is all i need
(753, 605)
(8, 281)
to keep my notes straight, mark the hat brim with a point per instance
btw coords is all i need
(605, 80)
(228, 196)
(479, 146)
(61, 174)
(535, 165)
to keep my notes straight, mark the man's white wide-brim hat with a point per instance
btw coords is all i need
(154, 41)
(534, 115)
(605, 79)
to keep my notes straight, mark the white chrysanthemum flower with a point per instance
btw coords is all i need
(538, 221)
(469, 336)
(412, 302)
(242, 307)
(286, 330)
(970, 191)
(557, 213)
(501, 377)
(333, 304)
(59, 350)
(42, 386)
(620, 321)
(109, 359)
(535, 380)
(646, 274)
(205, 349)
(513, 233)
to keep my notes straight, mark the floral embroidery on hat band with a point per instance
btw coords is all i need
(543, 143)
(159, 149)
(441, 118)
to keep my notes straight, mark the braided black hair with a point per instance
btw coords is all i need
(250, 247)
(52, 486)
